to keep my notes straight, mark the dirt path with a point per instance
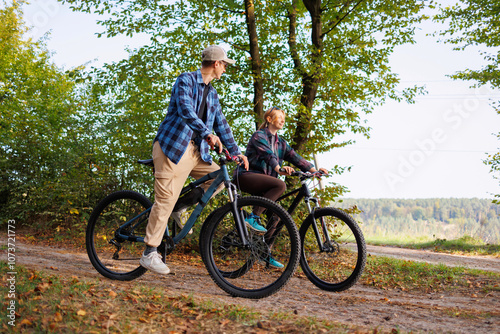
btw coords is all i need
(361, 305)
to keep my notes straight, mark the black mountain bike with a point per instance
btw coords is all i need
(234, 256)
(333, 247)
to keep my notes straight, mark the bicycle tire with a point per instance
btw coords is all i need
(239, 270)
(340, 265)
(112, 257)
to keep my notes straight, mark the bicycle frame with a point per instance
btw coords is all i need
(303, 193)
(220, 176)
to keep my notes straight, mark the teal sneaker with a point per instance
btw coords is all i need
(252, 222)
(271, 261)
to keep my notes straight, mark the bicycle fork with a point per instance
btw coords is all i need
(237, 213)
(324, 228)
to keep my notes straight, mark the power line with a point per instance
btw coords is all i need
(456, 97)
(416, 149)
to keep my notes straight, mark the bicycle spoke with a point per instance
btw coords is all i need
(113, 256)
(243, 270)
(338, 264)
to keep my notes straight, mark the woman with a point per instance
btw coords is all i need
(266, 152)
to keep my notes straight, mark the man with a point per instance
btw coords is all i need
(180, 148)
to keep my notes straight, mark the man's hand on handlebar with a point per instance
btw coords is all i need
(214, 141)
(240, 158)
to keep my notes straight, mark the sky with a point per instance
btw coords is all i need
(431, 149)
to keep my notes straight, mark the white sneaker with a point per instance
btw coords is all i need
(181, 218)
(153, 262)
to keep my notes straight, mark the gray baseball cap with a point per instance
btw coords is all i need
(215, 52)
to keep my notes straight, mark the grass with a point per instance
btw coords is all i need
(399, 240)
(465, 245)
(58, 304)
(389, 273)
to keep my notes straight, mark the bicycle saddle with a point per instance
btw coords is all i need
(147, 162)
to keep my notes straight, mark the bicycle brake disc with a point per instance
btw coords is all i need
(331, 247)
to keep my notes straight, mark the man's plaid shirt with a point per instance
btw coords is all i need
(174, 133)
(263, 158)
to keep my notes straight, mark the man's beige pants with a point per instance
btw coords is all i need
(169, 181)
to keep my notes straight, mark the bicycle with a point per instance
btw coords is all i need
(333, 247)
(234, 256)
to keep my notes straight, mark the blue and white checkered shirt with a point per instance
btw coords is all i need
(174, 133)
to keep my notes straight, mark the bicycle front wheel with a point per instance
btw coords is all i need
(245, 271)
(111, 255)
(338, 261)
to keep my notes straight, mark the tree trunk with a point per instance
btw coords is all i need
(258, 86)
(311, 80)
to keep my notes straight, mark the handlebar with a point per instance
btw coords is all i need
(305, 175)
(227, 155)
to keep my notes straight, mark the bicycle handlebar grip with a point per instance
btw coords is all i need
(295, 173)
(226, 153)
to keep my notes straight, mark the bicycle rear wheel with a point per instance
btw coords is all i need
(112, 256)
(340, 263)
(240, 270)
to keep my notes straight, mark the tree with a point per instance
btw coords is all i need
(326, 64)
(477, 23)
(40, 131)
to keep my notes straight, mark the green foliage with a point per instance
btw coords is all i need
(477, 23)
(38, 113)
(432, 218)
(493, 161)
(57, 159)
(70, 138)
(343, 70)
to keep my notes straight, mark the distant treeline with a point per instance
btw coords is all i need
(443, 218)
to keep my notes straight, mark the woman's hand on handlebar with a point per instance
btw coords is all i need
(285, 170)
(214, 142)
(322, 171)
(243, 160)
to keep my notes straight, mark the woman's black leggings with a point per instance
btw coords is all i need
(260, 185)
